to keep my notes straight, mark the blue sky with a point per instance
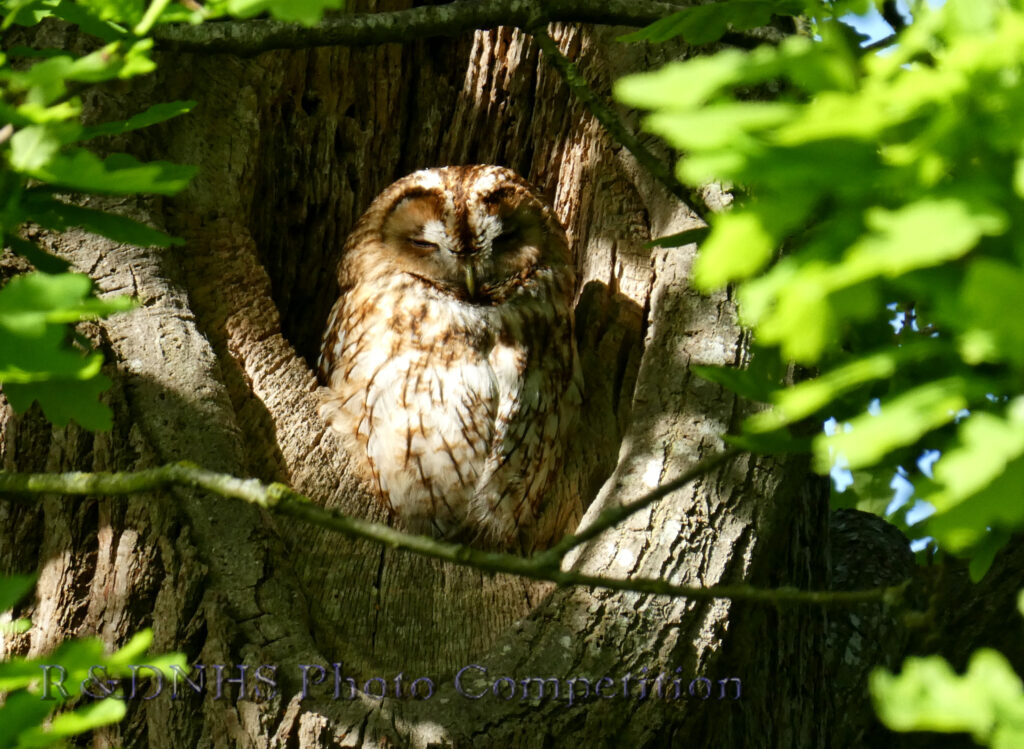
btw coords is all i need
(875, 26)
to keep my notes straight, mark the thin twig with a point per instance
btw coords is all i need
(883, 43)
(892, 16)
(611, 122)
(616, 514)
(281, 500)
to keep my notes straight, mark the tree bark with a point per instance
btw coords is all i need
(214, 367)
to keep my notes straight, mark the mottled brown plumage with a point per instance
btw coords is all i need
(449, 361)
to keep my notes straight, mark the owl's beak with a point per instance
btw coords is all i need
(471, 279)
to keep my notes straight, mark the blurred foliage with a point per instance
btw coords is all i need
(702, 24)
(46, 169)
(869, 182)
(26, 707)
(986, 702)
(46, 173)
(872, 179)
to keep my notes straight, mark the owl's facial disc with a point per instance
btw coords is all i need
(473, 252)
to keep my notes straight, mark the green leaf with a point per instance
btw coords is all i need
(76, 656)
(33, 148)
(15, 626)
(800, 320)
(738, 381)
(41, 259)
(811, 396)
(30, 301)
(137, 60)
(989, 334)
(36, 364)
(44, 81)
(918, 235)
(757, 382)
(81, 720)
(26, 299)
(702, 24)
(985, 553)
(119, 174)
(683, 86)
(133, 650)
(152, 116)
(88, 22)
(30, 112)
(717, 126)
(987, 444)
(976, 490)
(770, 443)
(19, 50)
(987, 701)
(66, 400)
(47, 80)
(13, 588)
(964, 525)
(59, 216)
(901, 421)
(22, 711)
(871, 492)
(43, 357)
(24, 12)
(125, 12)
(743, 242)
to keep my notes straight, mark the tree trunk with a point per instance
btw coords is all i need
(215, 367)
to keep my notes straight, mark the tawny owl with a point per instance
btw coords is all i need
(450, 359)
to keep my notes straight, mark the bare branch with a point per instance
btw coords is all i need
(281, 500)
(882, 43)
(892, 16)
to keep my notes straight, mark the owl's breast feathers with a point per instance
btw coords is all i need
(457, 413)
(450, 360)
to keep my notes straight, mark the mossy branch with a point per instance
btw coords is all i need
(281, 500)
(246, 38)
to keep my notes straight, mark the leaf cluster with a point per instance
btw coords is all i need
(25, 707)
(113, 20)
(873, 184)
(987, 701)
(46, 170)
(873, 180)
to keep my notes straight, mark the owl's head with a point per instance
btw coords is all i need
(473, 232)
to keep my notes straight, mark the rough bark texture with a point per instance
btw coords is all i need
(214, 367)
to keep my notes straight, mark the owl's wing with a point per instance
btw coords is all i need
(539, 394)
(333, 342)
